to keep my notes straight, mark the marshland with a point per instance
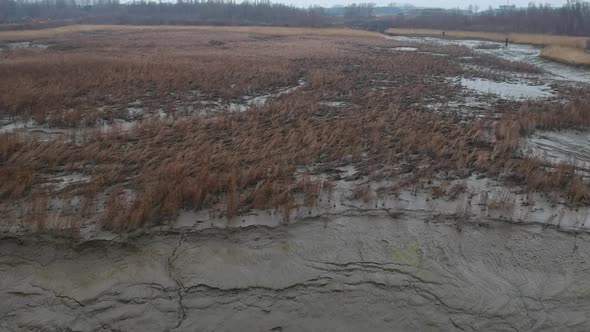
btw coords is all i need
(200, 177)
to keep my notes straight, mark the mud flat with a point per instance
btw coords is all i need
(369, 271)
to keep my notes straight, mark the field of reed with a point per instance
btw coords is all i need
(350, 101)
(277, 31)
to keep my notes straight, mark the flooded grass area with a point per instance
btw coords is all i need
(183, 183)
(401, 79)
(404, 49)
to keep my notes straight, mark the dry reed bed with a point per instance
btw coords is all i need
(67, 84)
(241, 161)
(248, 160)
(46, 87)
(95, 75)
(279, 31)
(82, 72)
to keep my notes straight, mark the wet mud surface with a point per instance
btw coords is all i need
(370, 271)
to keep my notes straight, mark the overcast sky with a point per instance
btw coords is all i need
(483, 4)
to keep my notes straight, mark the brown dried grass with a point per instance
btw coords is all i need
(233, 162)
(565, 54)
(273, 31)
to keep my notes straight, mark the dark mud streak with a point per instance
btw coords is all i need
(311, 283)
(320, 287)
(369, 267)
(180, 287)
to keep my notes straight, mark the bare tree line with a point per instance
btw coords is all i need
(356, 11)
(571, 19)
(261, 12)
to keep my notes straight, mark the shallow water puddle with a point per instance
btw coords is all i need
(10, 127)
(25, 44)
(507, 90)
(45, 133)
(30, 128)
(62, 181)
(335, 104)
(247, 102)
(467, 106)
(404, 49)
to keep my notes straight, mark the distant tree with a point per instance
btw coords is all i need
(362, 10)
(572, 19)
(162, 12)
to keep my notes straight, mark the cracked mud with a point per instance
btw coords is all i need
(348, 272)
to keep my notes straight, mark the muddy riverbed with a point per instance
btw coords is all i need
(349, 272)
